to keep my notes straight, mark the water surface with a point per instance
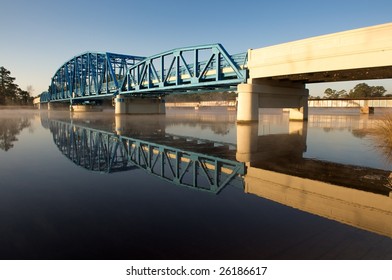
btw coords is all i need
(68, 191)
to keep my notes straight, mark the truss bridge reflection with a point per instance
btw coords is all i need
(100, 150)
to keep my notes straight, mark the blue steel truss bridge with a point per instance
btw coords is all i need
(107, 152)
(93, 76)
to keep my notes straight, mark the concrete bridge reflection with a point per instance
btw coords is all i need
(277, 170)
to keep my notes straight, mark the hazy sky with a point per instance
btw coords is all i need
(38, 36)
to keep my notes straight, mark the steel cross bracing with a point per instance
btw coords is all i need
(103, 151)
(92, 76)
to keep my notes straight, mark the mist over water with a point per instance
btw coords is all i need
(101, 186)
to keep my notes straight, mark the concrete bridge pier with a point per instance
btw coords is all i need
(53, 106)
(263, 93)
(42, 106)
(139, 105)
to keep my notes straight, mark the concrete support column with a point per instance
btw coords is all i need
(50, 107)
(248, 104)
(138, 105)
(271, 94)
(119, 105)
(301, 113)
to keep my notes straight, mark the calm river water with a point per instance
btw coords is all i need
(192, 185)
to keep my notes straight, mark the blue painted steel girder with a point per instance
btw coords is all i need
(44, 97)
(104, 75)
(207, 67)
(90, 75)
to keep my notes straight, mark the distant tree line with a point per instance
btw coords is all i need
(361, 90)
(10, 93)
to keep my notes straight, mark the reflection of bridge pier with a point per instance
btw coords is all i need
(366, 210)
(276, 170)
(251, 146)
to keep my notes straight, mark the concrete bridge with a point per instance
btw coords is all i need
(278, 74)
(270, 77)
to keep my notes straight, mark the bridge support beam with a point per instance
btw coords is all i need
(79, 108)
(138, 105)
(271, 94)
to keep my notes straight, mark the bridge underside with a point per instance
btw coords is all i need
(371, 73)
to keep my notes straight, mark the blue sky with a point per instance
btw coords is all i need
(38, 36)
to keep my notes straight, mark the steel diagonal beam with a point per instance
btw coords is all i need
(185, 65)
(133, 151)
(204, 70)
(155, 160)
(169, 162)
(143, 76)
(203, 167)
(154, 72)
(228, 59)
(181, 176)
(236, 170)
(141, 153)
(169, 70)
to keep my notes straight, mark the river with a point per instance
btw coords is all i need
(192, 185)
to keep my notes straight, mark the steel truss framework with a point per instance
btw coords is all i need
(103, 151)
(91, 76)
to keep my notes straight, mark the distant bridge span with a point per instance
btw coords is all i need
(270, 77)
